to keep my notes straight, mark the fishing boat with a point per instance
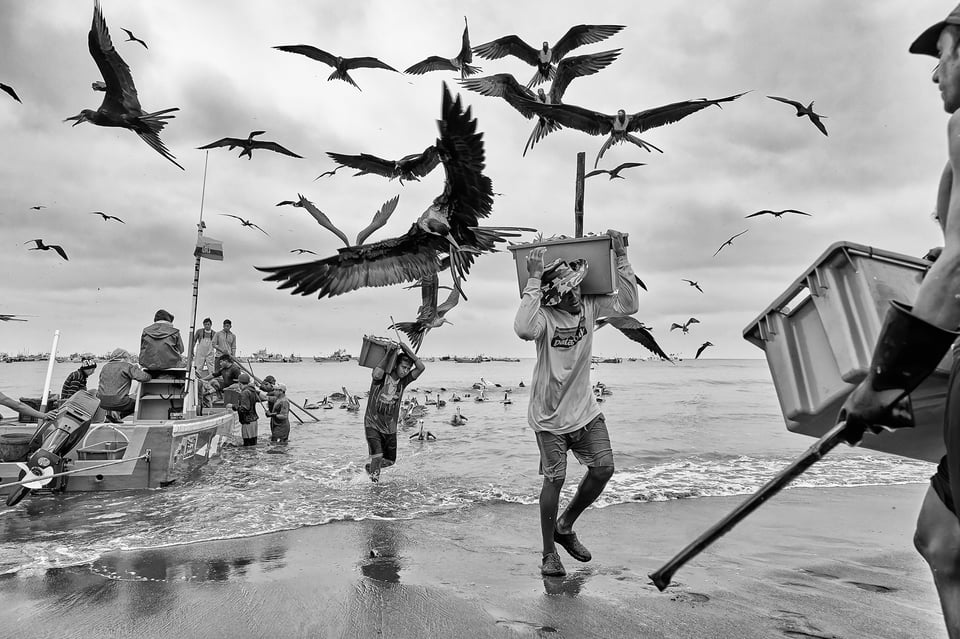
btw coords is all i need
(339, 355)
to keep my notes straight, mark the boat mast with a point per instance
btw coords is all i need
(193, 397)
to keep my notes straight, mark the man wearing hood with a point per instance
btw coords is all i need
(160, 343)
(116, 377)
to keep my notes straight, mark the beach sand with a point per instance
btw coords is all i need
(835, 563)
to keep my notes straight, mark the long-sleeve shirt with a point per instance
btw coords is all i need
(74, 383)
(224, 342)
(115, 379)
(561, 397)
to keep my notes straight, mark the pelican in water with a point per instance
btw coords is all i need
(121, 106)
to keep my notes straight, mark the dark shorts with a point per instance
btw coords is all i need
(949, 467)
(590, 445)
(381, 443)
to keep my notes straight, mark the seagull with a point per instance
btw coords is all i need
(300, 251)
(693, 284)
(133, 38)
(6, 88)
(701, 349)
(776, 214)
(504, 85)
(10, 318)
(685, 327)
(459, 63)
(730, 241)
(38, 207)
(340, 65)
(246, 223)
(120, 106)
(615, 173)
(249, 145)
(430, 315)
(107, 218)
(804, 111)
(46, 247)
(620, 127)
(636, 331)
(446, 233)
(409, 167)
(546, 57)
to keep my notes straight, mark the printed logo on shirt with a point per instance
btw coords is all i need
(568, 337)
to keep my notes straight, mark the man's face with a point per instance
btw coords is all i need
(226, 327)
(570, 301)
(208, 325)
(947, 73)
(403, 367)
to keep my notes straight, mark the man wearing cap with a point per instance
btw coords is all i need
(563, 411)
(77, 380)
(116, 377)
(279, 411)
(247, 411)
(913, 341)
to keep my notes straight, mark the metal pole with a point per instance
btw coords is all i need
(578, 197)
(193, 397)
(46, 382)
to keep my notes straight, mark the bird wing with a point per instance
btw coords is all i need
(230, 142)
(259, 229)
(379, 219)
(574, 117)
(59, 249)
(466, 53)
(366, 62)
(420, 165)
(796, 211)
(595, 172)
(817, 123)
(323, 220)
(273, 146)
(121, 94)
(365, 163)
(11, 318)
(792, 103)
(9, 90)
(503, 85)
(236, 217)
(670, 113)
(452, 300)
(675, 325)
(692, 320)
(407, 258)
(626, 165)
(702, 348)
(507, 45)
(311, 52)
(114, 217)
(428, 298)
(580, 35)
(431, 63)
(634, 330)
(763, 212)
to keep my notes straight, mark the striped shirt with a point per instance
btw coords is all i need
(75, 382)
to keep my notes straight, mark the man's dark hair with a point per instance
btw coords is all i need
(225, 322)
(162, 316)
(404, 358)
(206, 319)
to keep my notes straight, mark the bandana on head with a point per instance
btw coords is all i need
(560, 277)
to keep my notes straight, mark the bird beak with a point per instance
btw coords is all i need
(79, 118)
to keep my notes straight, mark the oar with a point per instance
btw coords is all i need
(260, 381)
(266, 408)
(662, 576)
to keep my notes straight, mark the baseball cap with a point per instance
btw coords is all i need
(88, 361)
(926, 43)
(270, 379)
(243, 378)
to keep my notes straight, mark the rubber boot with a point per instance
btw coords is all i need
(907, 352)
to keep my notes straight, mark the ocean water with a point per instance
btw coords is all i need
(696, 429)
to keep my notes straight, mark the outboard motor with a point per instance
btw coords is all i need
(54, 439)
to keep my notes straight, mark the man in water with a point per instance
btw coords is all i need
(563, 412)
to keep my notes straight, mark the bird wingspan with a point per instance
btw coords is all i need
(311, 52)
(379, 219)
(365, 163)
(367, 62)
(432, 63)
(576, 67)
(115, 72)
(503, 85)
(580, 35)
(670, 113)
(574, 117)
(507, 45)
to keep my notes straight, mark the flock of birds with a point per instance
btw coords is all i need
(447, 235)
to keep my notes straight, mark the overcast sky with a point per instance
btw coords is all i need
(872, 181)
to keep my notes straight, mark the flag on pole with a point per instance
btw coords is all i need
(209, 248)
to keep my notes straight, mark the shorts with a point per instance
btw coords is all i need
(590, 445)
(381, 443)
(940, 482)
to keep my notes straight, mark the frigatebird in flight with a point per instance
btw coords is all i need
(133, 38)
(777, 214)
(504, 85)
(246, 223)
(409, 167)
(121, 106)
(107, 218)
(340, 65)
(615, 172)
(695, 285)
(701, 349)
(729, 242)
(636, 331)
(249, 145)
(380, 218)
(430, 315)
(6, 88)
(10, 318)
(40, 246)
(447, 233)
(38, 207)
(330, 173)
(546, 57)
(300, 251)
(804, 111)
(461, 62)
(685, 327)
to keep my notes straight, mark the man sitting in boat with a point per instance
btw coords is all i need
(230, 373)
(115, 380)
(161, 346)
(77, 380)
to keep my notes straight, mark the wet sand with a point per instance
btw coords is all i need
(834, 563)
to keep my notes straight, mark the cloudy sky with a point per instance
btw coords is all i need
(872, 181)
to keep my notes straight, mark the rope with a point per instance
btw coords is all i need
(35, 478)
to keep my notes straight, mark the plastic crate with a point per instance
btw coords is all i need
(373, 350)
(818, 339)
(597, 250)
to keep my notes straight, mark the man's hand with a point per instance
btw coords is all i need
(535, 262)
(933, 254)
(866, 409)
(618, 244)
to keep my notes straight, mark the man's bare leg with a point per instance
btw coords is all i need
(592, 484)
(938, 540)
(549, 504)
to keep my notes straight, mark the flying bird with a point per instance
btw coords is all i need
(430, 315)
(409, 167)
(804, 111)
(121, 106)
(300, 251)
(461, 62)
(6, 88)
(636, 331)
(133, 38)
(446, 234)
(40, 246)
(701, 349)
(10, 318)
(331, 173)
(621, 126)
(504, 85)
(776, 214)
(685, 327)
(546, 57)
(693, 284)
(615, 172)
(340, 65)
(730, 241)
(38, 207)
(380, 218)
(249, 145)
(246, 223)
(107, 218)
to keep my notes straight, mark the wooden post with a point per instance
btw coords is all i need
(578, 197)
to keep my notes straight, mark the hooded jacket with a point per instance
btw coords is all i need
(160, 346)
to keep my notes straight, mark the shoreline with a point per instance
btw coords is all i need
(835, 562)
